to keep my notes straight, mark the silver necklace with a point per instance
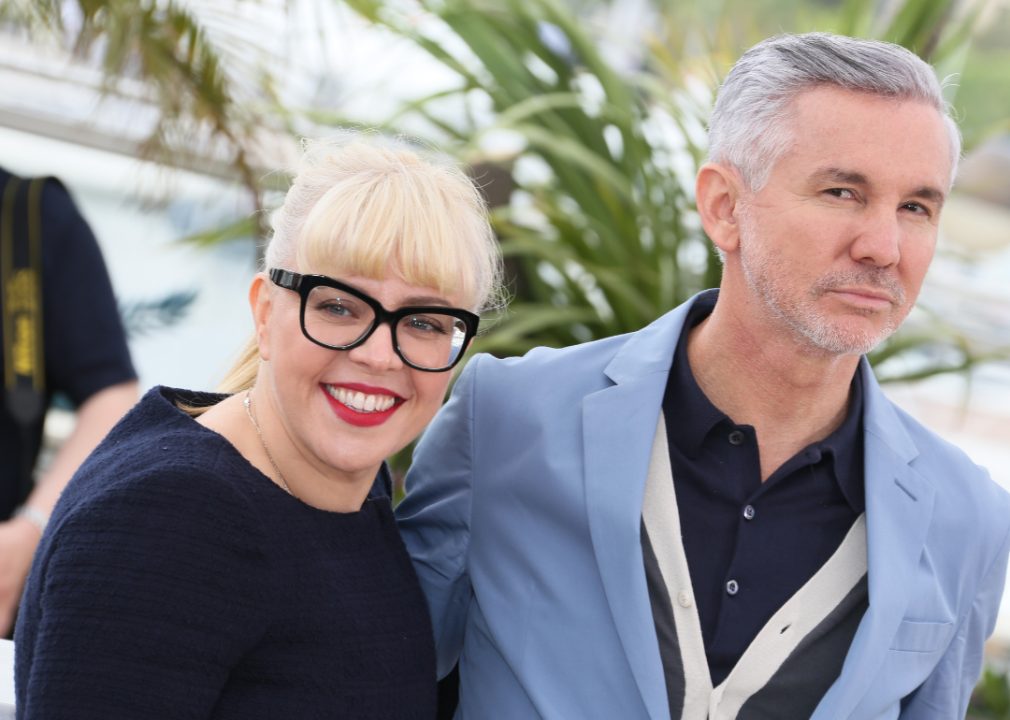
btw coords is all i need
(260, 433)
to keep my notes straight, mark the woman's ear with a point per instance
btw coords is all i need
(718, 198)
(261, 301)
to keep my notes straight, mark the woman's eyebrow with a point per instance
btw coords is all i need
(425, 300)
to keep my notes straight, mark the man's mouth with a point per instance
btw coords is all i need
(359, 401)
(865, 298)
(872, 289)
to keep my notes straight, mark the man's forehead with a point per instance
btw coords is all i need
(853, 136)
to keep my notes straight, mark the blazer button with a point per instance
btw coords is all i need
(736, 437)
(732, 588)
(748, 512)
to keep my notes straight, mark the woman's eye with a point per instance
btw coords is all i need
(424, 324)
(334, 308)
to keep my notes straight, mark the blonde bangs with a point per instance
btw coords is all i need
(424, 223)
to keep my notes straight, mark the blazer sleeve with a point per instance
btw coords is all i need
(141, 603)
(947, 690)
(435, 517)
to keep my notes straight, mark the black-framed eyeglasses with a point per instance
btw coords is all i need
(339, 317)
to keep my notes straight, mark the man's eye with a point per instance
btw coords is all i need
(916, 208)
(840, 192)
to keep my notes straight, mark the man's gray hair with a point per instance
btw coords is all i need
(750, 127)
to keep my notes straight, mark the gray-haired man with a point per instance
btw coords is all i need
(721, 516)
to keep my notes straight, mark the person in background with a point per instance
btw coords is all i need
(234, 556)
(722, 516)
(84, 358)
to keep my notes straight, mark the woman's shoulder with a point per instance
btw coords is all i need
(158, 459)
(156, 433)
(158, 416)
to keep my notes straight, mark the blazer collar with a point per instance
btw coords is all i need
(650, 350)
(881, 420)
(899, 509)
(619, 427)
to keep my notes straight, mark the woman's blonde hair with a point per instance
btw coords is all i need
(362, 204)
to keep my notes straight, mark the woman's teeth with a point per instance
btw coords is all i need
(359, 401)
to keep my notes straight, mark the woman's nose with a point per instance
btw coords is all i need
(377, 352)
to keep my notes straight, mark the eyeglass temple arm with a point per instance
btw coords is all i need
(286, 278)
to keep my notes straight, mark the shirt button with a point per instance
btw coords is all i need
(736, 437)
(684, 599)
(748, 512)
(732, 587)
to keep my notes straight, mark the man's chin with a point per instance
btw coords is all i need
(850, 336)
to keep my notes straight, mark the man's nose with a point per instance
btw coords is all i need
(377, 351)
(878, 239)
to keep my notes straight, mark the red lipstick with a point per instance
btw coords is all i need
(362, 419)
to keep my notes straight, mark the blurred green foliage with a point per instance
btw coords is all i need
(991, 698)
(602, 229)
(983, 98)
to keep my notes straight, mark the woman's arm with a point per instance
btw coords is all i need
(20, 536)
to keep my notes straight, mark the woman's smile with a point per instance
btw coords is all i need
(361, 405)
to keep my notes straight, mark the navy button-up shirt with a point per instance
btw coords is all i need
(751, 545)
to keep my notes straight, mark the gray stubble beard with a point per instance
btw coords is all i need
(804, 319)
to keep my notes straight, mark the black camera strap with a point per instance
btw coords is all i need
(21, 290)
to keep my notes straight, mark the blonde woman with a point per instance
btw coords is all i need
(234, 555)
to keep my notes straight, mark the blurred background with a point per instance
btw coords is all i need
(174, 125)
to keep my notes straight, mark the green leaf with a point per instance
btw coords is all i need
(242, 228)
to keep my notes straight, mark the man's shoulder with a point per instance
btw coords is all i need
(938, 455)
(548, 381)
(642, 352)
(575, 365)
(964, 489)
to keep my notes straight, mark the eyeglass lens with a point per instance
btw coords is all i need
(428, 340)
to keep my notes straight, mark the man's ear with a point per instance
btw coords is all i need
(261, 302)
(718, 196)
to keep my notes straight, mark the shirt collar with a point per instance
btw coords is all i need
(846, 447)
(695, 414)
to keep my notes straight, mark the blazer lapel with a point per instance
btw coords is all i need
(619, 427)
(899, 507)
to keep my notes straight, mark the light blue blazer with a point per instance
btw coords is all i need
(522, 516)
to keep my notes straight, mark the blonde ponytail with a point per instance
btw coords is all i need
(240, 377)
(243, 372)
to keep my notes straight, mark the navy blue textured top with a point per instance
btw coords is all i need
(751, 545)
(176, 581)
(83, 340)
